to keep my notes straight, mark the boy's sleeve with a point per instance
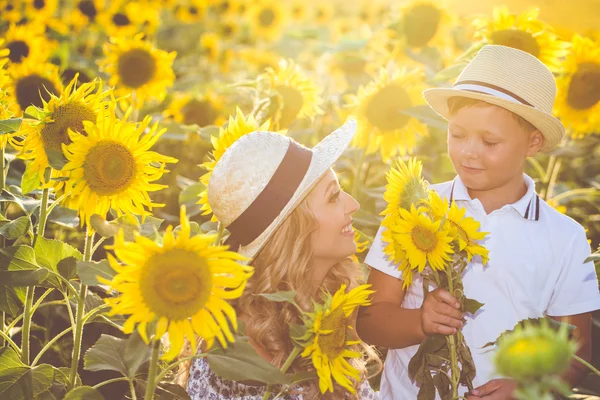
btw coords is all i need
(376, 258)
(576, 290)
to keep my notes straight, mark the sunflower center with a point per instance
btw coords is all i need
(120, 19)
(39, 4)
(424, 239)
(176, 284)
(136, 68)
(193, 10)
(292, 104)
(19, 50)
(31, 89)
(420, 24)
(227, 30)
(517, 39)
(462, 233)
(88, 8)
(69, 74)
(584, 89)
(198, 112)
(70, 115)
(266, 17)
(109, 168)
(333, 344)
(224, 6)
(9, 7)
(383, 111)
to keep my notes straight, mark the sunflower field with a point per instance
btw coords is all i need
(114, 113)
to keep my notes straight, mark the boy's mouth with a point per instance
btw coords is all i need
(471, 169)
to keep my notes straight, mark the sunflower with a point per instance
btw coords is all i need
(298, 11)
(293, 94)
(191, 12)
(267, 19)
(423, 23)
(378, 108)
(524, 32)
(209, 46)
(203, 110)
(361, 245)
(260, 59)
(328, 338)
(44, 138)
(33, 83)
(405, 186)
(323, 13)
(126, 19)
(225, 8)
(11, 10)
(423, 239)
(237, 127)
(464, 229)
(135, 65)
(395, 251)
(6, 109)
(113, 167)
(183, 285)
(40, 10)
(578, 96)
(26, 43)
(228, 29)
(84, 13)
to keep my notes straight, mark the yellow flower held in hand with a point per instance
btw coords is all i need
(405, 186)
(183, 285)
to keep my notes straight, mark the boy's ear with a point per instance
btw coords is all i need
(536, 141)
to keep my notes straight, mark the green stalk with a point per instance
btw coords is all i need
(451, 339)
(78, 332)
(151, 384)
(587, 364)
(220, 231)
(284, 368)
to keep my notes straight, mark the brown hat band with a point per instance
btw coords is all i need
(272, 200)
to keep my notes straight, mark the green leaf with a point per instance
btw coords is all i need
(11, 299)
(58, 389)
(23, 278)
(17, 257)
(194, 228)
(13, 195)
(64, 217)
(88, 270)
(189, 197)
(56, 158)
(427, 390)
(35, 113)
(18, 381)
(30, 180)
(280, 297)
(170, 391)
(67, 268)
(121, 355)
(49, 252)
(150, 226)
(84, 393)
(15, 229)
(593, 258)
(10, 125)
(471, 306)
(241, 362)
(9, 358)
(128, 223)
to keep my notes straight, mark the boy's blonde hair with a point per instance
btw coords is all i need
(455, 104)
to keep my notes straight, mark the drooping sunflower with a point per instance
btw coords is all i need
(182, 285)
(267, 19)
(524, 32)
(44, 137)
(113, 167)
(26, 43)
(464, 229)
(136, 65)
(237, 127)
(202, 110)
(578, 96)
(423, 239)
(378, 108)
(329, 337)
(33, 83)
(293, 94)
(405, 186)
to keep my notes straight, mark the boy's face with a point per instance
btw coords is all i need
(488, 146)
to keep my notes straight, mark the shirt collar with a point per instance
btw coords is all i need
(527, 206)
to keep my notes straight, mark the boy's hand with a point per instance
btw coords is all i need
(440, 313)
(496, 389)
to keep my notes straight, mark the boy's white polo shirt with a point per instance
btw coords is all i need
(536, 267)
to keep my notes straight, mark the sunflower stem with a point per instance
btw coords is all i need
(10, 342)
(79, 320)
(587, 364)
(220, 231)
(26, 328)
(288, 362)
(452, 339)
(151, 384)
(2, 240)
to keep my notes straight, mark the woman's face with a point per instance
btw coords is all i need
(333, 208)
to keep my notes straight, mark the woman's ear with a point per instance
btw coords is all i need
(536, 141)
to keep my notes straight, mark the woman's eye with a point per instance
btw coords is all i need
(335, 197)
(489, 144)
(455, 136)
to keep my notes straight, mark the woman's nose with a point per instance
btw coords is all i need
(352, 205)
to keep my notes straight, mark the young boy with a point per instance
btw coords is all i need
(499, 113)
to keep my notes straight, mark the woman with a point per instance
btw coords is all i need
(284, 208)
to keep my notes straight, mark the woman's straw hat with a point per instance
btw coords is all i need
(262, 177)
(509, 78)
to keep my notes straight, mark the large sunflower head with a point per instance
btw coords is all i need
(26, 44)
(578, 97)
(524, 32)
(32, 84)
(425, 241)
(237, 127)
(423, 23)
(183, 285)
(113, 166)
(378, 108)
(405, 186)
(328, 339)
(293, 95)
(135, 65)
(45, 137)
(202, 110)
(267, 19)
(41, 10)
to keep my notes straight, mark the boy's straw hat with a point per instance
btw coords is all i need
(509, 78)
(261, 179)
